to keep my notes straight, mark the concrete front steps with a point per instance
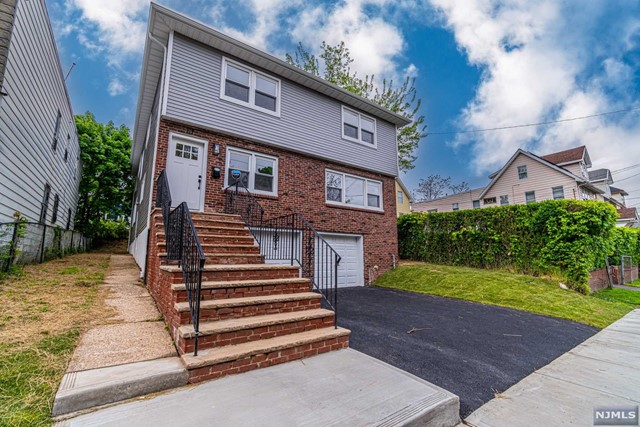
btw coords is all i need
(252, 314)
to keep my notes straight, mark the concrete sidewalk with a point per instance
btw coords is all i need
(131, 357)
(602, 371)
(340, 388)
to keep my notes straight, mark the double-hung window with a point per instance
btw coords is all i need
(504, 200)
(400, 197)
(530, 197)
(257, 172)
(358, 127)
(558, 193)
(351, 190)
(476, 204)
(56, 131)
(522, 172)
(246, 86)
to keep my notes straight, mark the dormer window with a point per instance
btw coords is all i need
(246, 86)
(358, 127)
(583, 167)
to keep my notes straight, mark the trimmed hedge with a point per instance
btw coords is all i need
(625, 241)
(567, 236)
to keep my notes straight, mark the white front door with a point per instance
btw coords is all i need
(186, 162)
(351, 266)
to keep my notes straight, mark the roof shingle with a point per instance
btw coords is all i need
(572, 155)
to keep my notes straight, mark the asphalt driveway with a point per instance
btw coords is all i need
(472, 350)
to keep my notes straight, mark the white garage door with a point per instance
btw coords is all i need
(351, 267)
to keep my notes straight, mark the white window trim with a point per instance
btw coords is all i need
(252, 87)
(526, 171)
(350, 205)
(358, 140)
(252, 173)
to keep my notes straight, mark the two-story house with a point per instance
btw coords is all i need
(39, 150)
(216, 116)
(527, 178)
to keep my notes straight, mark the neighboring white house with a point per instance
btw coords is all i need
(528, 178)
(39, 151)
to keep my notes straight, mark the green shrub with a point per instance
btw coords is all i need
(106, 230)
(569, 236)
(625, 241)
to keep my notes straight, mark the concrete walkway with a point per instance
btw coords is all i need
(602, 371)
(131, 357)
(340, 388)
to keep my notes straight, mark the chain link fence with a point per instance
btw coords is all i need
(30, 242)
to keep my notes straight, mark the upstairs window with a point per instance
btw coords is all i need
(358, 127)
(54, 145)
(530, 196)
(246, 86)
(66, 150)
(504, 200)
(258, 172)
(522, 172)
(54, 215)
(351, 190)
(490, 201)
(558, 193)
(45, 204)
(400, 197)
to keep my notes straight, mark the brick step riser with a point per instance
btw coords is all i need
(213, 314)
(219, 231)
(217, 240)
(266, 359)
(226, 260)
(246, 335)
(224, 276)
(157, 213)
(245, 292)
(219, 219)
(222, 249)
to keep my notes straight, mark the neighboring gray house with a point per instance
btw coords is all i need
(39, 151)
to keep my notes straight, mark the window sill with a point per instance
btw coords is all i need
(357, 141)
(355, 208)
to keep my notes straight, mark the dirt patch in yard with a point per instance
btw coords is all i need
(43, 310)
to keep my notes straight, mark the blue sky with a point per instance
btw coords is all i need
(479, 64)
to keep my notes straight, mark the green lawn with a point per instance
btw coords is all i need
(506, 289)
(635, 284)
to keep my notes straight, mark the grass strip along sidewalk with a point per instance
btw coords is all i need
(43, 310)
(527, 293)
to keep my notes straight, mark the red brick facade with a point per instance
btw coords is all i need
(301, 188)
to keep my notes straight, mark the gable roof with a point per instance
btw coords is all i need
(496, 176)
(601, 175)
(407, 192)
(163, 21)
(569, 156)
(615, 190)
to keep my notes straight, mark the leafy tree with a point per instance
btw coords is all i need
(336, 69)
(106, 185)
(435, 186)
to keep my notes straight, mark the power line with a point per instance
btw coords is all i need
(535, 124)
(626, 168)
(631, 176)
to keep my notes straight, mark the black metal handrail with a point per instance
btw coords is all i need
(289, 238)
(183, 245)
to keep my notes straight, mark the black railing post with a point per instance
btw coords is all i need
(44, 237)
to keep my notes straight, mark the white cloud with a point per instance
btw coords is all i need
(547, 60)
(116, 87)
(374, 43)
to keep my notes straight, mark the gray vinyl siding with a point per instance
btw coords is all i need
(35, 87)
(145, 176)
(309, 122)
